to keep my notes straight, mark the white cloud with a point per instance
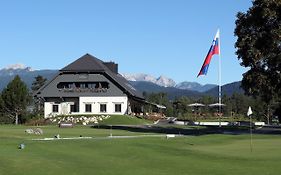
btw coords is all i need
(16, 66)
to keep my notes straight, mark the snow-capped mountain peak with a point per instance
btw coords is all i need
(165, 81)
(15, 69)
(17, 66)
(161, 81)
(138, 77)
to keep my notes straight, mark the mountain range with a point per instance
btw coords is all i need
(161, 81)
(168, 82)
(142, 82)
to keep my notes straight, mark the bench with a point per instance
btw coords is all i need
(66, 125)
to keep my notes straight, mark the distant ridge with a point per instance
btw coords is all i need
(26, 74)
(168, 82)
(227, 89)
(195, 86)
(172, 92)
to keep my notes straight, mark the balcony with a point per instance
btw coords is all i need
(81, 87)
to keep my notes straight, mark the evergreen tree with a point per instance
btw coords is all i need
(36, 85)
(3, 119)
(1, 104)
(15, 99)
(162, 99)
(258, 47)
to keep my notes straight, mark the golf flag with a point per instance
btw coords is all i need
(213, 50)
(250, 112)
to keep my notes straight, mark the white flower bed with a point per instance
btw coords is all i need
(80, 119)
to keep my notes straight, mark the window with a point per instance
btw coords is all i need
(55, 108)
(88, 108)
(72, 86)
(117, 107)
(74, 108)
(102, 107)
(83, 85)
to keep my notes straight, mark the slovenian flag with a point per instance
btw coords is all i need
(213, 50)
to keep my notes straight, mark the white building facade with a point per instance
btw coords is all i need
(88, 105)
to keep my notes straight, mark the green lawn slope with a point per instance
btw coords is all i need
(124, 120)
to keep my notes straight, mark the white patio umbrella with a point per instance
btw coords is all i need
(216, 105)
(219, 105)
(196, 108)
(196, 105)
(160, 106)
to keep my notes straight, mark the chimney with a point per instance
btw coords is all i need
(112, 66)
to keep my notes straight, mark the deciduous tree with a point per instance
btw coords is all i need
(259, 48)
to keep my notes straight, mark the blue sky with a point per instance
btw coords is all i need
(157, 37)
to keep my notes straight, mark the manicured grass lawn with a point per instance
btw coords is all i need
(124, 120)
(206, 155)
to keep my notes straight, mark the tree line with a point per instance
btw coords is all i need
(235, 107)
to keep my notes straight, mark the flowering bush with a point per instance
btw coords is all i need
(84, 120)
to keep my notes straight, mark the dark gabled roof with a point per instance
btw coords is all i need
(85, 63)
(89, 63)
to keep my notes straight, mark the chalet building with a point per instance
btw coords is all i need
(89, 86)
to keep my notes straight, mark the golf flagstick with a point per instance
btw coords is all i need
(249, 113)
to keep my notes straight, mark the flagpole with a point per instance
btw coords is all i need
(219, 82)
(215, 49)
